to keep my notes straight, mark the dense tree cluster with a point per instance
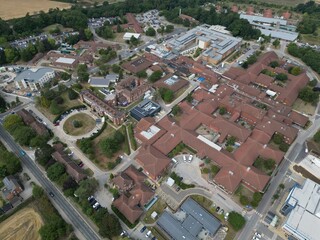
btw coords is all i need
(54, 226)
(311, 17)
(9, 163)
(236, 220)
(155, 76)
(23, 134)
(111, 145)
(166, 94)
(308, 55)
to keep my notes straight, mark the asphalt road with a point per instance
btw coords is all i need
(75, 218)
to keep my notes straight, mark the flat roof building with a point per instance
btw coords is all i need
(146, 108)
(196, 219)
(216, 45)
(34, 79)
(303, 208)
(127, 35)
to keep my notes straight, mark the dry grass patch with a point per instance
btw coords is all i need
(303, 107)
(158, 207)
(87, 124)
(19, 8)
(23, 225)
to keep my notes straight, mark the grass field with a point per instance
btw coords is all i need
(310, 38)
(54, 26)
(283, 2)
(87, 122)
(23, 225)
(19, 8)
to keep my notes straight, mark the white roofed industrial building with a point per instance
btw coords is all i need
(127, 35)
(303, 209)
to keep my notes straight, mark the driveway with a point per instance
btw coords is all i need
(191, 174)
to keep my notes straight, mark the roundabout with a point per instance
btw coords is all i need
(79, 124)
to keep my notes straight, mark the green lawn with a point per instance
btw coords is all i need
(311, 39)
(87, 124)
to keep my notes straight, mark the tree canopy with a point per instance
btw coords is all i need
(236, 220)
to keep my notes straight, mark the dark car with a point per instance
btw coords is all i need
(143, 229)
(316, 89)
(51, 194)
(93, 202)
(217, 209)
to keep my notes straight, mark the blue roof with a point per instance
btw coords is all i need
(201, 79)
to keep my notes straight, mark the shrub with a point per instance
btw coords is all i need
(277, 138)
(284, 147)
(244, 200)
(222, 110)
(76, 124)
(256, 199)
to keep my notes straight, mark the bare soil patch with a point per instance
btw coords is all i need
(303, 107)
(23, 225)
(19, 8)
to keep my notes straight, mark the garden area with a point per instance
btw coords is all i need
(246, 197)
(105, 148)
(158, 207)
(52, 103)
(181, 148)
(277, 141)
(79, 124)
(265, 165)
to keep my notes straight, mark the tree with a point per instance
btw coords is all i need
(39, 141)
(274, 64)
(43, 154)
(236, 220)
(115, 68)
(55, 171)
(69, 183)
(151, 32)
(65, 76)
(86, 188)
(142, 74)
(189, 98)
(307, 95)
(295, 70)
(23, 135)
(134, 41)
(276, 43)
(12, 121)
(37, 191)
(256, 199)
(282, 77)
(222, 110)
(72, 94)
(55, 109)
(176, 110)
(313, 83)
(76, 124)
(166, 94)
(105, 32)
(109, 146)
(316, 137)
(155, 76)
(269, 164)
(244, 200)
(284, 147)
(277, 138)
(82, 71)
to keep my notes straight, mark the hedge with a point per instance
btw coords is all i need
(72, 108)
(131, 136)
(97, 134)
(126, 146)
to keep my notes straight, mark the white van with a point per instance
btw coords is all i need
(190, 158)
(184, 158)
(148, 234)
(174, 160)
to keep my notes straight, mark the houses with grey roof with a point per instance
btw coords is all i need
(193, 221)
(34, 79)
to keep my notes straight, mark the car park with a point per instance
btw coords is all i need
(143, 229)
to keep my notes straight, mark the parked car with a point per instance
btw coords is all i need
(93, 202)
(226, 216)
(148, 234)
(217, 209)
(184, 158)
(143, 229)
(190, 158)
(91, 197)
(258, 235)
